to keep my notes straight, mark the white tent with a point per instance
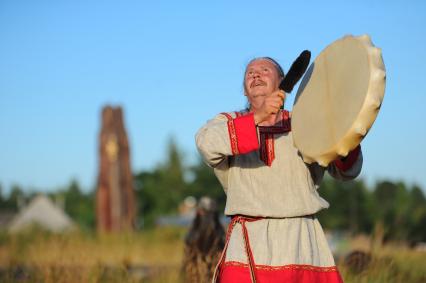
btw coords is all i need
(43, 212)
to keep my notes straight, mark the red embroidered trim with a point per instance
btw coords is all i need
(262, 149)
(349, 161)
(290, 273)
(232, 134)
(267, 149)
(270, 149)
(233, 137)
(284, 267)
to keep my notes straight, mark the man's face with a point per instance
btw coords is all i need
(261, 79)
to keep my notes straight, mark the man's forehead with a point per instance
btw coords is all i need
(260, 62)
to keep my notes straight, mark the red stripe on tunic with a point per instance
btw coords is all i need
(232, 134)
(239, 272)
(267, 148)
(349, 161)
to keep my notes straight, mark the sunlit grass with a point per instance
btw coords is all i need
(391, 264)
(79, 257)
(155, 256)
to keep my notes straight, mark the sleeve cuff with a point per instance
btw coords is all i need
(243, 134)
(349, 160)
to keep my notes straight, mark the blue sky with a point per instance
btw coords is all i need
(172, 65)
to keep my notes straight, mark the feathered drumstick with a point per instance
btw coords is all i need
(296, 71)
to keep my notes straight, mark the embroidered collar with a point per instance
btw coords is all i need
(267, 147)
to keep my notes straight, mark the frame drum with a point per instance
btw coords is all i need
(338, 99)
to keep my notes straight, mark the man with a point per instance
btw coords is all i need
(272, 195)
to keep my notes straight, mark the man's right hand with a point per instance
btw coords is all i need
(270, 106)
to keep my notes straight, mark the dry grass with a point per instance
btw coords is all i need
(38, 256)
(390, 265)
(155, 256)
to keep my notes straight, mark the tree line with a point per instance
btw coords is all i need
(395, 209)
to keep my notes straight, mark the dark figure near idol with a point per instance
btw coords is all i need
(203, 243)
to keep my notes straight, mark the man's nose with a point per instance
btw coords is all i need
(256, 74)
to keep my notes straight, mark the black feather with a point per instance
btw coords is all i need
(296, 71)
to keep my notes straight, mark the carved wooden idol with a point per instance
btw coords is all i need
(115, 204)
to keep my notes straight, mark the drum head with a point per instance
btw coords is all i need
(338, 99)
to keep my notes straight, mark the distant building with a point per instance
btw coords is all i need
(186, 215)
(41, 211)
(187, 212)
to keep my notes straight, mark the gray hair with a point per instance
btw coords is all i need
(273, 61)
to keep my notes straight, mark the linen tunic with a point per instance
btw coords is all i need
(287, 243)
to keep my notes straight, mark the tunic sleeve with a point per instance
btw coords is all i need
(226, 136)
(223, 137)
(349, 168)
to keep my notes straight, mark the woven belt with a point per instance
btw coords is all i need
(241, 220)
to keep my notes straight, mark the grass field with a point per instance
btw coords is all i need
(151, 256)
